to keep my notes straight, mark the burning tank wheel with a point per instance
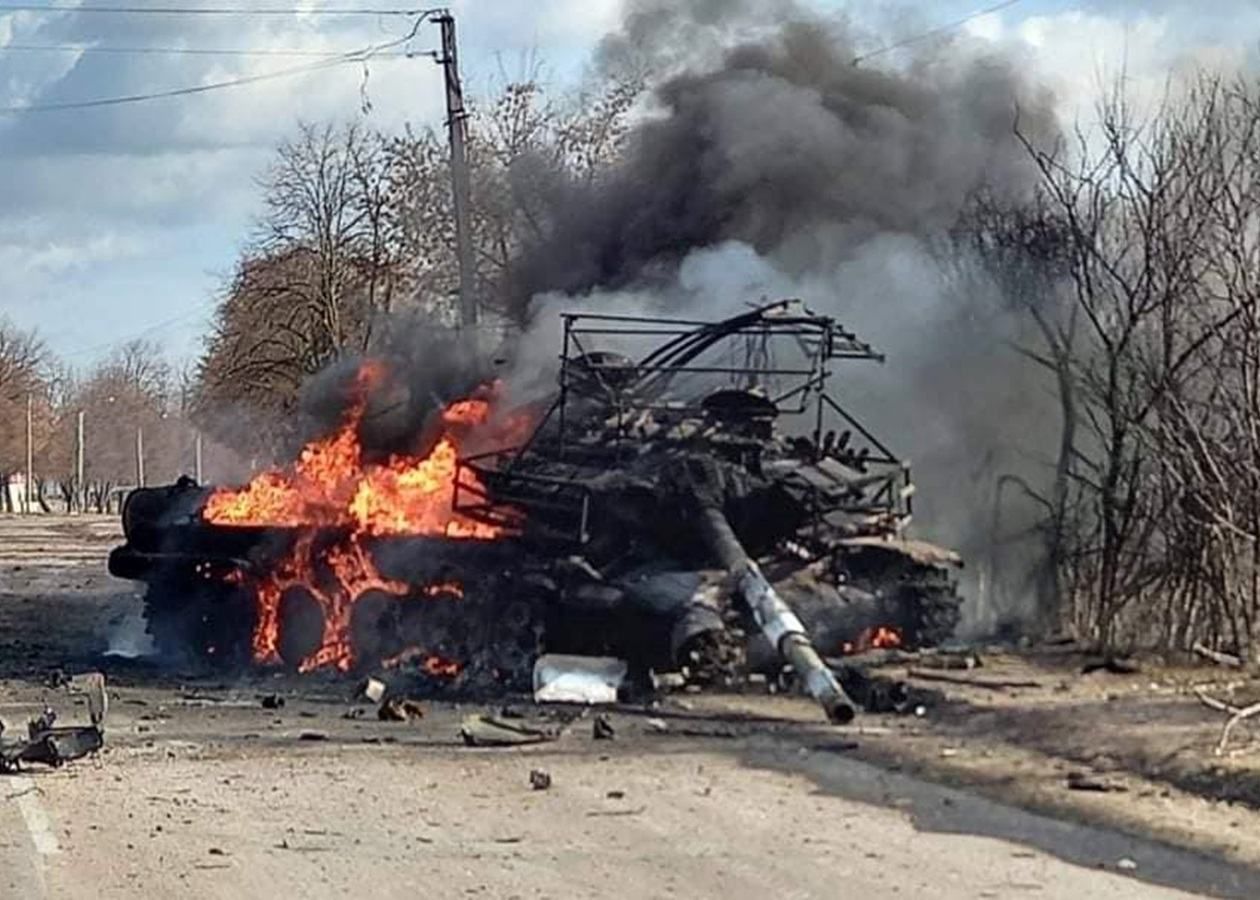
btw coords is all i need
(374, 627)
(301, 630)
(200, 623)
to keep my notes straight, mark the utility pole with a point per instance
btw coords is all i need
(139, 456)
(30, 453)
(457, 126)
(80, 489)
(197, 457)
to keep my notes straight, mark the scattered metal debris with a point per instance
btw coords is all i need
(1083, 781)
(272, 701)
(400, 709)
(1111, 665)
(540, 779)
(374, 690)
(875, 693)
(53, 745)
(602, 728)
(489, 731)
(578, 679)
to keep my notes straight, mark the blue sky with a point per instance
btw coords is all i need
(121, 222)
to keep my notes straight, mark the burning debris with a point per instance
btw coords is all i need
(692, 501)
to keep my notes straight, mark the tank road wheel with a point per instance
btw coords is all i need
(919, 598)
(200, 623)
(930, 611)
(301, 626)
(374, 627)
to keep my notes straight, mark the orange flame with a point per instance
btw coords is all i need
(331, 486)
(441, 668)
(881, 637)
(885, 638)
(430, 663)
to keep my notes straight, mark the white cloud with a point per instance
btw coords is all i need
(1079, 54)
(541, 24)
(108, 214)
(42, 258)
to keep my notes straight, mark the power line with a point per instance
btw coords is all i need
(210, 10)
(118, 342)
(173, 92)
(357, 56)
(185, 51)
(926, 35)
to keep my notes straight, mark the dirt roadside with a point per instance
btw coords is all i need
(1141, 744)
(203, 793)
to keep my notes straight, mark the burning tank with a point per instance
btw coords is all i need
(337, 561)
(692, 497)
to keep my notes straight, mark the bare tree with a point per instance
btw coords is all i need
(1023, 253)
(325, 198)
(357, 226)
(1153, 514)
(525, 152)
(128, 394)
(325, 269)
(24, 377)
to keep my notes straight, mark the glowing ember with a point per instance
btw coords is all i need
(429, 663)
(330, 486)
(442, 668)
(445, 589)
(885, 638)
(881, 637)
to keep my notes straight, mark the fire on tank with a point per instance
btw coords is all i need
(691, 498)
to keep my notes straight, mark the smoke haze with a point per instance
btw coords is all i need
(768, 164)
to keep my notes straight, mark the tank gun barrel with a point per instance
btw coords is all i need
(782, 628)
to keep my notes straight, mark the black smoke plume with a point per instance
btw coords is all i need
(783, 143)
(766, 162)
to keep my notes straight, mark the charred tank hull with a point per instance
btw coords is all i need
(604, 510)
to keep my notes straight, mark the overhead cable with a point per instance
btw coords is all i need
(934, 32)
(185, 51)
(357, 56)
(212, 10)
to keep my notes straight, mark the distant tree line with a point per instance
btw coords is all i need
(132, 401)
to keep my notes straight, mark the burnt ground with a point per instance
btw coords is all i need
(201, 792)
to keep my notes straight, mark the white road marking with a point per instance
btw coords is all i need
(37, 821)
